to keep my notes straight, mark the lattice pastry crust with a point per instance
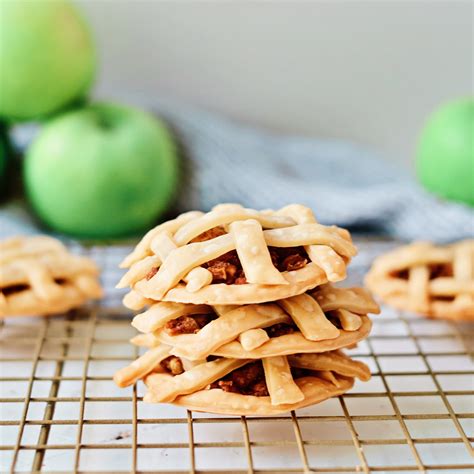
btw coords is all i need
(255, 331)
(38, 276)
(233, 255)
(325, 375)
(435, 281)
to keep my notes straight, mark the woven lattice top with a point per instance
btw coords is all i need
(325, 319)
(241, 386)
(233, 255)
(39, 276)
(421, 277)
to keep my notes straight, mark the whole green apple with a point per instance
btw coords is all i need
(47, 58)
(102, 171)
(445, 159)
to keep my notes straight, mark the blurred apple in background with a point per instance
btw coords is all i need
(102, 171)
(445, 159)
(47, 58)
(3, 158)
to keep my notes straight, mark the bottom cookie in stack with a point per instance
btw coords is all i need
(255, 359)
(255, 387)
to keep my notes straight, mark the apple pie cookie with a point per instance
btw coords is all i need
(435, 281)
(244, 387)
(325, 319)
(38, 276)
(233, 255)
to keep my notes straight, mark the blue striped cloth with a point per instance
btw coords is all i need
(345, 184)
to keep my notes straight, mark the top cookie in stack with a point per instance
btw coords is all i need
(234, 256)
(242, 317)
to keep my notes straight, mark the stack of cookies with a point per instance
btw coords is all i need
(239, 312)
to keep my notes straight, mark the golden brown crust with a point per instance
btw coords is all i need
(434, 281)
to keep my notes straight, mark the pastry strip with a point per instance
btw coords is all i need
(309, 317)
(253, 338)
(418, 286)
(324, 256)
(226, 214)
(160, 313)
(163, 245)
(294, 343)
(167, 387)
(349, 321)
(182, 260)
(135, 301)
(253, 253)
(222, 330)
(139, 270)
(280, 383)
(463, 270)
(221, 309)
(19, 247)
(308, 234)
(356, 300)
(329, 376)
(143, 249)
(333, 361)
(141, 366)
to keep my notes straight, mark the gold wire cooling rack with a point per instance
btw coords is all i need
(60, 411)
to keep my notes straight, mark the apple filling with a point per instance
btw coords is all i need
(10, 290)
(188, 324)
(250, 379)
(436, 271)
(247, 380)
(228, 269)
(172, 365)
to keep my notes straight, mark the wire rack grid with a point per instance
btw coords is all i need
(60, 411)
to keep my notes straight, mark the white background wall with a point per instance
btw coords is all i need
(369, 71)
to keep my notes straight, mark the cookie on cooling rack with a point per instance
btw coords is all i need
(435, 281)
(233, 255)
(38, 276)
(241, 386)
(265, 387)
(326, 318)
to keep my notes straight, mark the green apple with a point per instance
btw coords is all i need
(3, 159)
(445, 158)
(47, 58)
(102, 171)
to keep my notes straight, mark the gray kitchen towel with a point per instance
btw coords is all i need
(344, 183)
